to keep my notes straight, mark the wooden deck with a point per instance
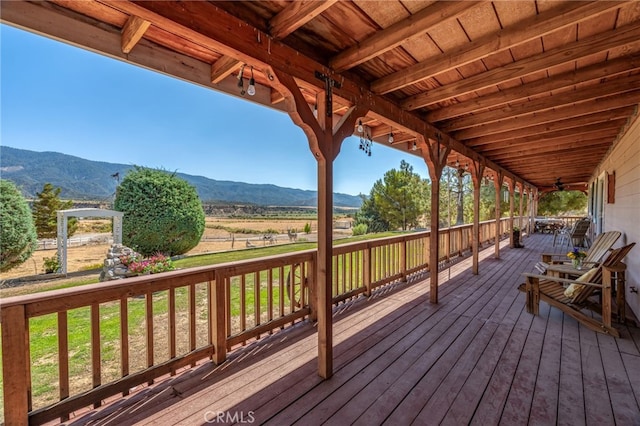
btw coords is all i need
(477, 357)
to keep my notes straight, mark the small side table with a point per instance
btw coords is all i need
(618, 279)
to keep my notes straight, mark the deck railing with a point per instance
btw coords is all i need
(66, 349)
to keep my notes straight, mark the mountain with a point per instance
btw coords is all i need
(82, 179)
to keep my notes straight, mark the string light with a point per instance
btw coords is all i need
(251, 90)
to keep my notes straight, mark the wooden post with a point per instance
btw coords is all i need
(15, 368)
(512, 199)
(477, 171)
(497, 183)
(217, 306)
(521, 208)
(324, 141)
(435, 154)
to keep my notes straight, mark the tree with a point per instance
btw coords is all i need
(369, 215)
(18, 238)
(563, 202)
(400, 198)
(162, 213)
(45, 215)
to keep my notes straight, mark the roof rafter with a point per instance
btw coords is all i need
(593, 72)
(626, 35)
(396, 34)
(506, 38)
(295, 15)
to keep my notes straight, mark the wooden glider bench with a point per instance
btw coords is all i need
(552, 290)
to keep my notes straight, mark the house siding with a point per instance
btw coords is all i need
(624, 214)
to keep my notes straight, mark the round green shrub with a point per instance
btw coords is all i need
(18, 239)
(162, 212)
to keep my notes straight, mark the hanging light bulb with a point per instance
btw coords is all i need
(251, 90)
(414, 147)
(315, 110)
(457, 164)
(360, 126)
(241, 80)
(391, 137)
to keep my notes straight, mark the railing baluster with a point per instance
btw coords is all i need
(149, 325)
(270, 296)
(63, 357)
(172, 327)
(256, 298)
(281, 290)
(192, 319)
(218, 318)
(243, 306)
(96, 367)
(124, 339)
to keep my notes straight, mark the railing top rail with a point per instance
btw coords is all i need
(70, 298)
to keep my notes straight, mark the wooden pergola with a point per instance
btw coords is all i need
(525, 91)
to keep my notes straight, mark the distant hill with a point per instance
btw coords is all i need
(82, 179)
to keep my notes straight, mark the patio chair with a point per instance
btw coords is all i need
(576, 234)
(600, 247)
(573, 296)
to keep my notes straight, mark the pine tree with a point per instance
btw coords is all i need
(45, 215)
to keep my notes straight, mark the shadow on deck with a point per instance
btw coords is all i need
(477, 357)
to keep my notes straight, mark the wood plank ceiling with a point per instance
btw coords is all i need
(541, 89)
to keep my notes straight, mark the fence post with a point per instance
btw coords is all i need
(311, 277)
(15, 370)
(217, 308)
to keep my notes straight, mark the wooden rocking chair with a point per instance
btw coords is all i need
(600, 247)
(552, 290)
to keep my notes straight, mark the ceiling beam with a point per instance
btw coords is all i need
(504, 39)
(132, 32)
(518, 93)
(573, 147)
(550, 116)
(586, 94)
(224, 67)
(396, 34)
(544, 129)
(556, 136)
(588, 46)
(295, 15)
(207, 25)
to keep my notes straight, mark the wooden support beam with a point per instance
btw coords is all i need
(588, 46)
(498, 179)
(295, 15)
(512, 187)
(393, 36)
(477, 171)
(223, 67)
(132, 32)
(325, 140)
(16, 377)
(435, 154)
(491, 44)
(521, 208)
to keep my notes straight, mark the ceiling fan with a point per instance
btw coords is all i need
(559, 185)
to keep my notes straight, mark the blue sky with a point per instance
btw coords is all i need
(56, 97)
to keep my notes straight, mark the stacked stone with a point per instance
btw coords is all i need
(113, 268)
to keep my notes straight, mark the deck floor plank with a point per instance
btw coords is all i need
(477, 357)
